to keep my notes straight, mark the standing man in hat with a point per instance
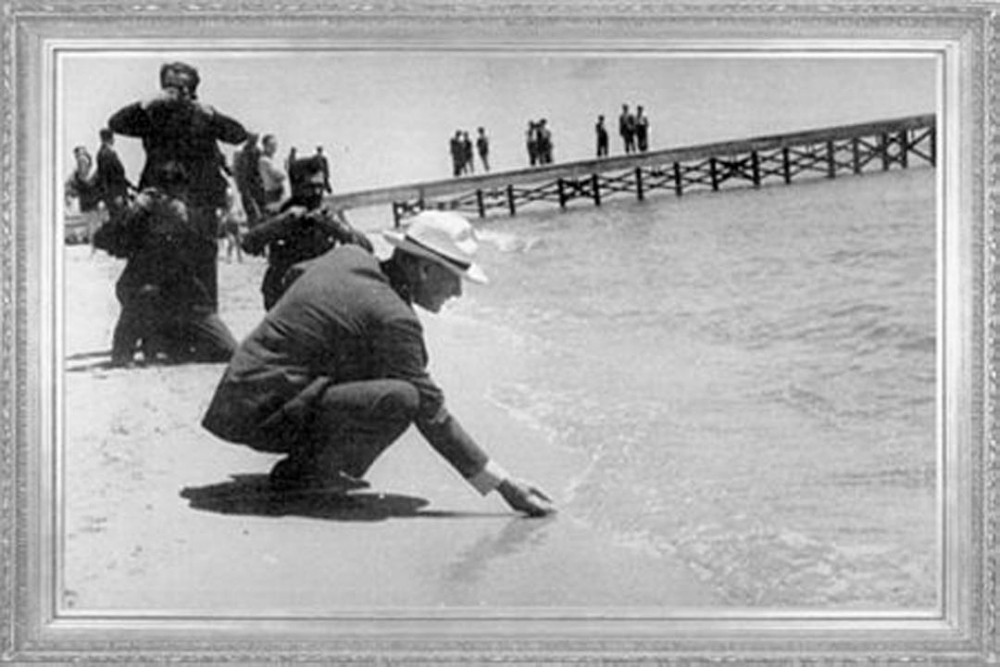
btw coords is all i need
(176, 127)
(337, 370)
(110, 176)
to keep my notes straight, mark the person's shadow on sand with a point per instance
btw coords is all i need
(253, 495)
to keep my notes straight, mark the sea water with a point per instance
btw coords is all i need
(750, 373)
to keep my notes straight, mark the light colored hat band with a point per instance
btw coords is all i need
(458, 264)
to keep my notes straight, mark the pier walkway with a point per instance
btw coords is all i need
(821, 153)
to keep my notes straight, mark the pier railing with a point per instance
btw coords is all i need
(822, 153)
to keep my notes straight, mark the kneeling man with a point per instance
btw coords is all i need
(337, 370)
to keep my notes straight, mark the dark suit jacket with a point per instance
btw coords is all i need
(342, 320)
(186, 132)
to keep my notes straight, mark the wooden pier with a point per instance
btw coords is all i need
(822, 153)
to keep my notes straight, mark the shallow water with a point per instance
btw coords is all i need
(750, 373)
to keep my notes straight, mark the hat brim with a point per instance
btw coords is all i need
(474, 272)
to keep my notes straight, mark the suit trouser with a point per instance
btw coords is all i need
(348, 426)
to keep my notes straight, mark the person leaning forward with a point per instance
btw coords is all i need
(337, 370)
(302, 229)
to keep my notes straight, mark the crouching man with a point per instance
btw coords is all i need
(337, 370)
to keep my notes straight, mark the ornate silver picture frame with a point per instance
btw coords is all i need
(955, 623)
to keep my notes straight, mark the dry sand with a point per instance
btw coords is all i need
(158, 516)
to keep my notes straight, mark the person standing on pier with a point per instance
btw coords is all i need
(531, 141)
(337, 371)
(626, 128)
(455, 145)
(602, 137)
(544, 142)
(641, 130)
(483, 147)
(468, 163)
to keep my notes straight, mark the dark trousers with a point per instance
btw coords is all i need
(349, 425)
(183, 335)
(204, 254)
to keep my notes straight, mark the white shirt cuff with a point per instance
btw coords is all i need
(488, 478)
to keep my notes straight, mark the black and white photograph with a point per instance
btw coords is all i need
(367, 336)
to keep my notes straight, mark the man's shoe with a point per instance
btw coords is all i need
(291, 474)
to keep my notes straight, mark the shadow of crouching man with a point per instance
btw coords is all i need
(254, 495)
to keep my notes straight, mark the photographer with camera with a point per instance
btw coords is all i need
(175, 126)
(302, 229)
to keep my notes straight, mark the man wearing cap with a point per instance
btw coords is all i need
(337, 370)
(302, 229)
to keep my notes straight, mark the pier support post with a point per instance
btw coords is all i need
(678, 180)
(480, 204)
(714, 168)
(595, 185)
(638, 184)
(932, 148)
(883, 142)
(562, 193)
(831, 160)
(786, 165)
(755, 165)
(510, 200)
(856, 150)
(904, 148)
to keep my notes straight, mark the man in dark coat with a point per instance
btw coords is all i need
(165, 305)
(302, 229)
(110, 177)
(337, 370)
(626, 128)
(175, 126)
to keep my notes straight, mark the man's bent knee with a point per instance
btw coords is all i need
(399, 400)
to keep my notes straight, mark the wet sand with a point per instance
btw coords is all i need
(158, 516)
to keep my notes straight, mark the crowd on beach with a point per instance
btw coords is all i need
(633, 128)
(336, 370)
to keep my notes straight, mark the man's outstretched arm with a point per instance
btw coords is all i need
(446, 435)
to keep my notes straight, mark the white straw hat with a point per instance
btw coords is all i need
(444, 237)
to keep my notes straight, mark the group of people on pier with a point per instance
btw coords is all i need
(462, 158)
(336, 370)
(633, 128)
